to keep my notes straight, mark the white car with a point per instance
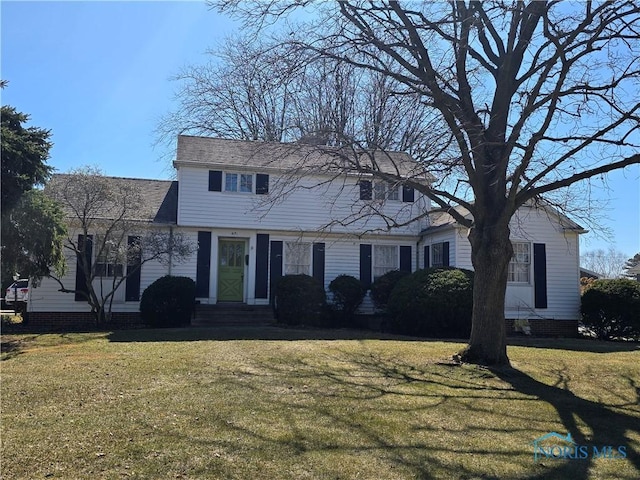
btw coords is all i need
(17, 291)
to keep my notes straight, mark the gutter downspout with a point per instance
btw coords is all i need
(170, 250)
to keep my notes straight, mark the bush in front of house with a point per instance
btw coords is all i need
(383, 286)
(299, 300)
(168, 302)
(347, 295)
(611, 308)
(435, 302)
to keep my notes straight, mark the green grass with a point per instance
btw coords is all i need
(305, 404)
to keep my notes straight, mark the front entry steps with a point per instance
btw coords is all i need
(232, 314)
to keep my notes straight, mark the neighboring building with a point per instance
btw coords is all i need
(261, 210)
(585, 273)
(634, 272)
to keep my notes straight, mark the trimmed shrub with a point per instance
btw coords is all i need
(348, 294)
(299, 300)
(168, 302)
(436, 302)
(611, 308)
(383, 286)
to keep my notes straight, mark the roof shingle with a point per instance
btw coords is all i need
(227, 153)
(157, 202)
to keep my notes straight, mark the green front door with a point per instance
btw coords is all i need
(231, 271)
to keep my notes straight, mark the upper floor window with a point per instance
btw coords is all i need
(238, 182)
(381, 190)
(297, 258)
(520, 264)
(385, 191)
(385, 259)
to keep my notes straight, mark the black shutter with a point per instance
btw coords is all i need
(215, 182)
(408, 194)
(427, 257)
(540, 275)
(86, 247)
(275, 266)
(203, 264)
(262, 184)
(262, 265)
(365, 190)
(405, 258)
(445, 254)
(134, 259)
(365, 265)
(318, 262)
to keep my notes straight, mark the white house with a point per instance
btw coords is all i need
(260, 210)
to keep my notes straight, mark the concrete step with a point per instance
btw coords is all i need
(232, 314)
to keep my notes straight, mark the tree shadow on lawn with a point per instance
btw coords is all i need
(575, 344)
(396, 413)
(279, 332)
(267, 332)
(11, 347)
(608, 427)
(330, 411)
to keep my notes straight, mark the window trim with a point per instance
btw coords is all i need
(437, 249)
(285, 259)
(384, 191)
(512, 272)
(389, 268)
(107, 265)
(238, 182)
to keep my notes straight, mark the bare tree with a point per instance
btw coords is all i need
(607, 264)
(109, 235)
(264, 90)
(237, 94)
(537, 95)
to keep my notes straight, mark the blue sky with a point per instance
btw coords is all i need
(97, 74)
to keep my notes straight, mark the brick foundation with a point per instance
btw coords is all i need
(546, 327)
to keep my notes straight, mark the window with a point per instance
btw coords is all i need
(520, 264)
(437, 255)
(385, 191)
(393, 193)
(385, 259)
(297, 258)
(109, 261)
(238, 182)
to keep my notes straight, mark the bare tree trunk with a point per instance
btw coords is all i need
(491, 252)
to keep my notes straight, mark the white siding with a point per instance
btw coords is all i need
(309, 205)
(563, 277)
(446, 235)
(531, 225)
(47, 297)
(341, 258)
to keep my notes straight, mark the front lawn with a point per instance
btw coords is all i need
(298, 404)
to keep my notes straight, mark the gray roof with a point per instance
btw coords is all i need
(440, 219)
(156, 202)
(225, 153)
